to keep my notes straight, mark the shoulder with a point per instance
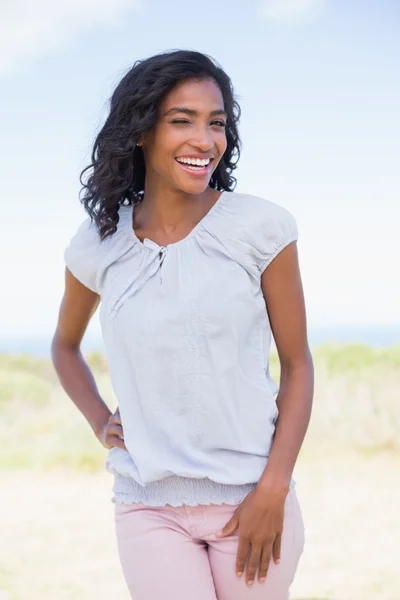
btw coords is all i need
(84, 236)
(253, 209)
(87, 255)
(254, 228)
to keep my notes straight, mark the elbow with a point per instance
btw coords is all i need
(61, 348)
(297, 381)
(300, 362)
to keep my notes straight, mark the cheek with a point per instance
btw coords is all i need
(169, 138)
(167, 148)
(221, 144)
(163, 144)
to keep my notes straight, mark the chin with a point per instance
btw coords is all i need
(195, 189)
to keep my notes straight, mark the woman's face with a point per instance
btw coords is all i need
(190, 125)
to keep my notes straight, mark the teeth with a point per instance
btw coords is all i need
(195, 161)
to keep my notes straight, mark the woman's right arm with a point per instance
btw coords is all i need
(77, 308)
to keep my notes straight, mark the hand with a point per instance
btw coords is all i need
(112, 433)
(260, 521)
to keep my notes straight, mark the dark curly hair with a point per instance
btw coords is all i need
(117, 169)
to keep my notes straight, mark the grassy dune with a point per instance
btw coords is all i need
(356, 408)
(57, 537)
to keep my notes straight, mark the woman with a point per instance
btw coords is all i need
(192, 277)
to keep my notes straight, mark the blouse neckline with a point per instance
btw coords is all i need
(150, 244)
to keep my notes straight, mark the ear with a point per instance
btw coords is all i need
(143, 138)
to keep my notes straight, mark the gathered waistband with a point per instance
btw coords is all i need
(177, 491)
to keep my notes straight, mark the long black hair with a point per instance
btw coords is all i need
(117, 170)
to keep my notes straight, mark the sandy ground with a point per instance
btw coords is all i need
(57, 537)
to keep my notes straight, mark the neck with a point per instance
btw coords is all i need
(169, 209)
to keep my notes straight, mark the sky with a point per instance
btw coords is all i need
(319, 88)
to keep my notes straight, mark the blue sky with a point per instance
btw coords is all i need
(318, 84)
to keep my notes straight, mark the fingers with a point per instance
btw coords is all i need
(115, 418)
(241, 555)
(119, 443)
(260, 558)
(114, 440)
(114, 433)
(253, 564)
(276, 548)
(265, 559)
(115, 430)
(231, 526)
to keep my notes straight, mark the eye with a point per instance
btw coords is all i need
(184, 121)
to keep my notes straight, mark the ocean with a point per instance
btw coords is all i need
(377, 336)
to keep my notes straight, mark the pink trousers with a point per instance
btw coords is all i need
(172, 553)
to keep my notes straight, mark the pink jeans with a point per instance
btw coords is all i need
(172, 553)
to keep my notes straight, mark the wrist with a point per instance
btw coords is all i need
(99, 422)
(274, 485)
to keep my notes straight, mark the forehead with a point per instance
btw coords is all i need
(194, 94)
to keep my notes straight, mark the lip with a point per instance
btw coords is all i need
(198, 173)
(201, 156)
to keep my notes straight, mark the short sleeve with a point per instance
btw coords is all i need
(81, 255)
(275, 229)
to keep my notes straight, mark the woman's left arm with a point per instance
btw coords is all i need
(260, 516)
(283, 292)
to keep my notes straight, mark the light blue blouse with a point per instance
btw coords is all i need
(187, 337)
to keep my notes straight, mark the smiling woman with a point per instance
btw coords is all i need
(192, 279)
(175, 105)
(196, 143)
(196, 162)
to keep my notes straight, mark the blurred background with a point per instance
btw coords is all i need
(318, 83)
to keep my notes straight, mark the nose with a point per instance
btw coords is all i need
(203, 139)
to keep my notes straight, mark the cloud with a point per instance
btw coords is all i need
(32, 28)
(290, 10)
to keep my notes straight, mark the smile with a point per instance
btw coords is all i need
(195, 166)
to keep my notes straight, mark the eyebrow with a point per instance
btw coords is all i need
(193, 113)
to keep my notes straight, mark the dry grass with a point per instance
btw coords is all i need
(56, 518)
(57, 537)
(350, 506)
(356, 406)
